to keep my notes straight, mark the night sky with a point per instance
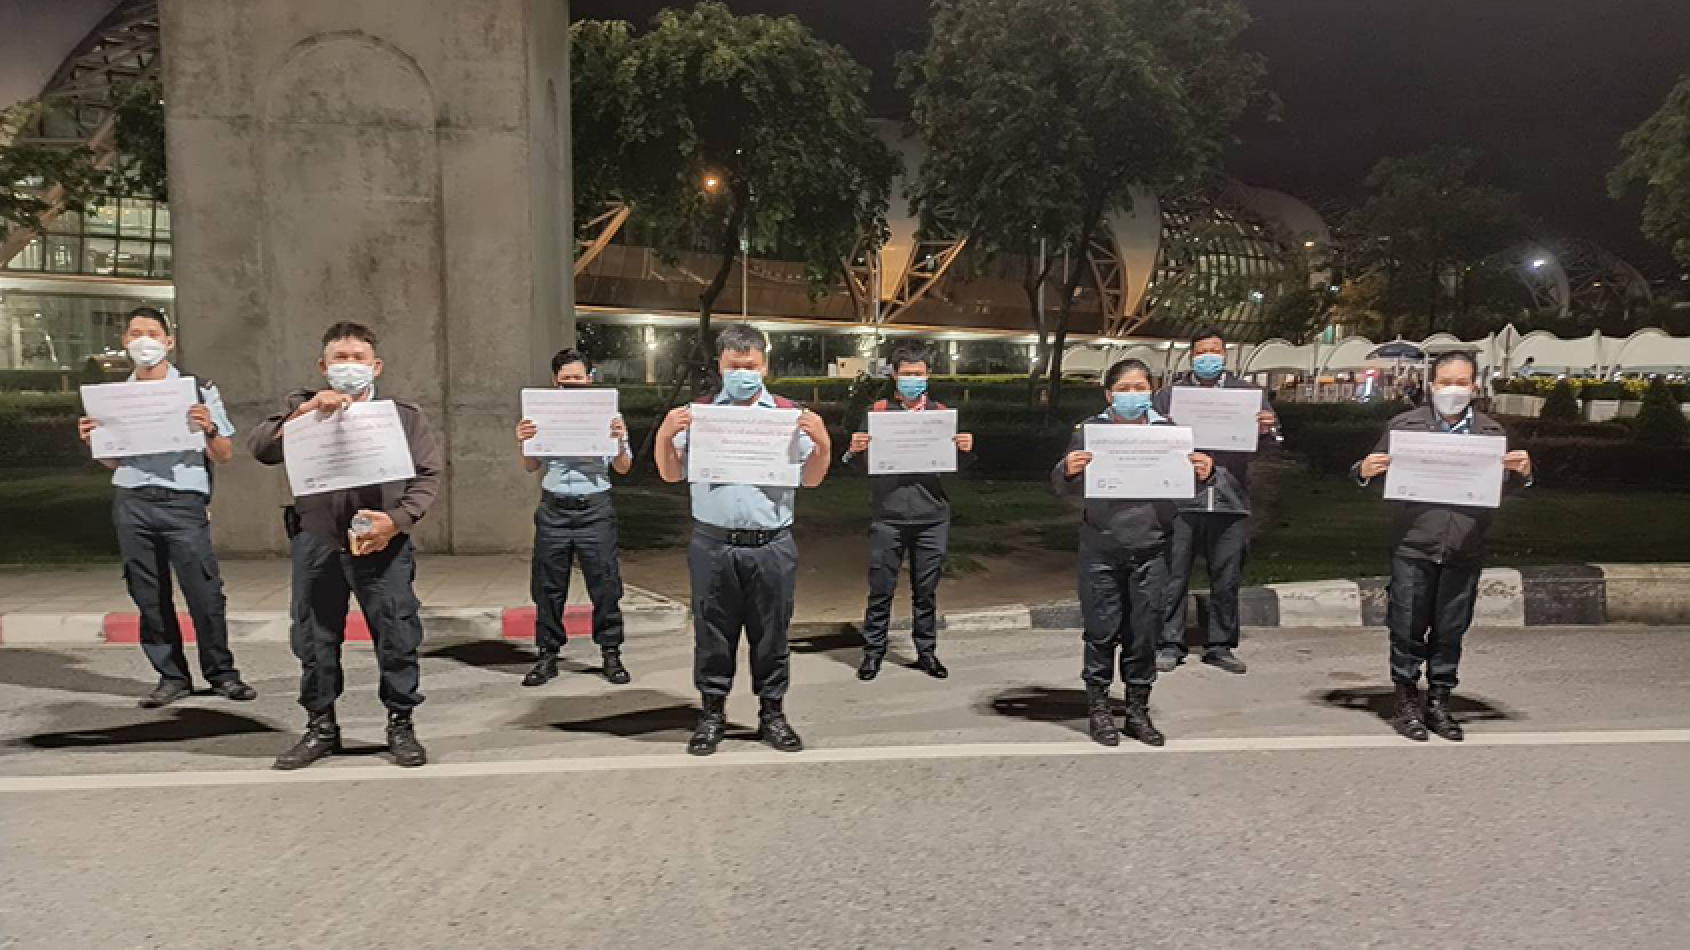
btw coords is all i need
(1542, 88)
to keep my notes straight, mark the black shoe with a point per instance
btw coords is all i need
(402, 741)
(1438, 718)
(1407, 720)
(929, 663)
(544, 671)
(1168, 658)
(236, 690)
(870, 667)
(712, 725)
(613, 668)
(1222, 658)
(1137, 722)
(774, 730)
(322, 737)
(1101, 722)
(165, 693)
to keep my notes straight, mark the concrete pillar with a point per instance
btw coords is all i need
(402, 163)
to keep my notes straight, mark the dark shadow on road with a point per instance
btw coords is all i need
(634, 714)
(500, 655)
(184, 725)
(1043, 704)
(45, 669)
(842, 644)
(1382, 703)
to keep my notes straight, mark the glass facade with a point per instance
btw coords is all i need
(1217, 267)
(125, 237)
(60, 331)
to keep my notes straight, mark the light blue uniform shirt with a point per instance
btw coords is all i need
(745, 507)
(181, 471)
(578, 475)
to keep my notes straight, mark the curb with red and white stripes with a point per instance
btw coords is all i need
(491, 623)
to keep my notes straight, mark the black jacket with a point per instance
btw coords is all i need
(1228, 492)
(1114, 524)
(1446, 534)
(907, 499)
(328, 515)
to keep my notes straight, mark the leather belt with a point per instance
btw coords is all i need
(570, 502)
(741, 537)
(158, 493)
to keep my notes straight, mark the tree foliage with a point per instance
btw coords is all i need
(1041, 116)
(1657, 157)
(1562, 405)
(1425, 226)
(1660, 419)
(714, 125)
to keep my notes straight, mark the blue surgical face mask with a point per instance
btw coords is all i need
(912, 388)
(1130, 405)
(1209, 365)
(350, 378)
(742, 385)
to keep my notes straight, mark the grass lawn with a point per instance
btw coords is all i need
(1316, 527)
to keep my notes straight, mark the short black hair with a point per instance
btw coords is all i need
(911, 351)
(565, 357)
(1123, 368)
(739, 338)
(151, 313)
(1454, 356)
(1207, 333)
(347, 330)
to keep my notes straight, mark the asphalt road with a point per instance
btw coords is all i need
(966, 813)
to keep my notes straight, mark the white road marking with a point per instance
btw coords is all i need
(741, 758)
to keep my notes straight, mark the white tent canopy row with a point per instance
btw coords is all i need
(1646, 351)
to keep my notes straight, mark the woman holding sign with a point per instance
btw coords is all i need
(576, 520)
(1446, 467)
(159, 507)
(1130, 481)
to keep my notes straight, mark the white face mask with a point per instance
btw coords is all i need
(1452, 400)
(146, 352)
(350, 378)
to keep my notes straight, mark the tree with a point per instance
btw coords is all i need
(1425, 226)
(738, 133)
(1660, 420)
(1300, 311)
(1041, 116)
(1657, 157)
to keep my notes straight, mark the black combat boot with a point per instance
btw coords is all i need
(402, 740)
(1102, 721)
(774, 730)
(1137, 723)
(712, 724)
(1407, 720)
(870, 667)
(1438, 718)
(613, 668)
(322, 738)
(929, 663)
(544, 671)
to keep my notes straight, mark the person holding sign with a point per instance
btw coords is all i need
(159, 512)
(743, 560)
(354, 540)
(1123, 563)
(576, 520)
(1232, 420)
(910, 514)
(1437, 547)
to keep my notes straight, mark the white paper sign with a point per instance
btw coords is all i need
(744, 445)
(1139, 461)
(143, 418)
(1220, 419)
(572, 423)
(1446, 469)
(906, 443)
(363, 444)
